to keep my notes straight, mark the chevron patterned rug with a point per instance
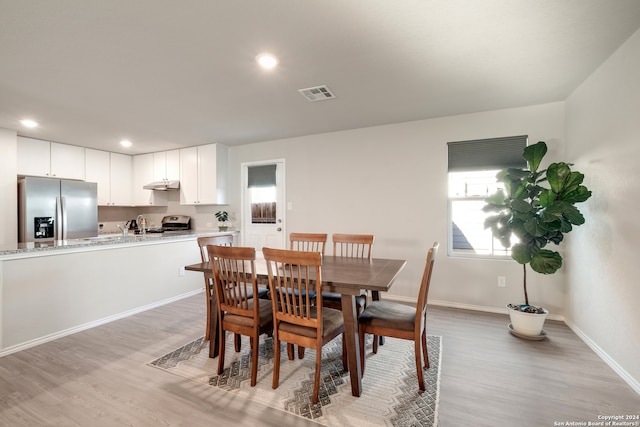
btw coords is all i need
(390, 395)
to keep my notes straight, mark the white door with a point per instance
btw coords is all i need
(263, 210)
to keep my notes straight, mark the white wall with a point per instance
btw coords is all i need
(392, 181)
(603, 130)
(8, 188)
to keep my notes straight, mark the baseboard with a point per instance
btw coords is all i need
(93, 324)
(634, 383)
(462, 306)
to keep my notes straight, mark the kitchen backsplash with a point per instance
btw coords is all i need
(202, 217)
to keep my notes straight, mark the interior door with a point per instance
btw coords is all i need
(263, 210)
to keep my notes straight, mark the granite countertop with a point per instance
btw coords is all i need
(102, 241)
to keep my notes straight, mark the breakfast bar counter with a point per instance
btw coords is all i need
(49, 291)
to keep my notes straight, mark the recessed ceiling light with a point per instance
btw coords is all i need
(29, 123)
(125, 143)
(267, 61)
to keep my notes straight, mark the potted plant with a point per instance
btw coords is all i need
(223, 217)
(538, 208)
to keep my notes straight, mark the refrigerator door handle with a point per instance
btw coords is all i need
(63, 204)
(58, 219)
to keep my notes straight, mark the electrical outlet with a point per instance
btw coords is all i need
(502, 281)
(181, 272)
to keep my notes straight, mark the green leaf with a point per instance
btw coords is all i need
(546, 197)
(521, 206)
(534, 228)
(533, 154)
(521, 253)
(572, 214)
(558, 174)
(546, 262)
(580, 194)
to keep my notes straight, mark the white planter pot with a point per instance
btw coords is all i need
(527, 324)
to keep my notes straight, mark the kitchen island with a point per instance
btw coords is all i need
(55, 289)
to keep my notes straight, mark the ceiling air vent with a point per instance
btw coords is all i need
(317, 93)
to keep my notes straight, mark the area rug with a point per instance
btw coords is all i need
(390, 394)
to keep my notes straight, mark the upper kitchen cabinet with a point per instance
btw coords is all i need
(50, 159)
(144, 167)
(203, 175)
(113, 173)
(166, 165)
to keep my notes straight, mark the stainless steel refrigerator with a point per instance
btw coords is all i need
(56, 209)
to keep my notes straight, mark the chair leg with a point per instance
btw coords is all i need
(425, 350)
(361, 336)
(316, 380)
(300, 352)
(254, 360)
(206, 332)
(345, 361)
(236, 342)
(290, 351)
(276, 361)
(221, 334)
(419, 364)
(375, 344)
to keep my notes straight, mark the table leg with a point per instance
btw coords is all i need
(375, 295)
(352, 343)
(214, 342)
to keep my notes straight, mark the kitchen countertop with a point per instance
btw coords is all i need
(102, 241)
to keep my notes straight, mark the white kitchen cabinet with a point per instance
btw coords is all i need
(67, 161)
(121, 177)
(203, 175)
(166, 165)
(143, 174)
(50, 159)
(97, 165)
(113, 173)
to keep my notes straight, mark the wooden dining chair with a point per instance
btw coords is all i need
(390, 319)
(238, 312)
(212, 321)
(349, 246)
(203, 242)
(308, 242)
(292, 277)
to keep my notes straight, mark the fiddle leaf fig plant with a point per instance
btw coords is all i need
(537, 206)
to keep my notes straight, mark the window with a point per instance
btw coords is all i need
(473, 166)
(262, 185)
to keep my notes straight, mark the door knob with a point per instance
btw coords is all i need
(279, 229)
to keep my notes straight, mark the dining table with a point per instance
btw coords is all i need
(343, 275)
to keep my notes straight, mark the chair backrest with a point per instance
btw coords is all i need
(426, 279)
(308, 242)
(353, 245)
(293, 276)
(234, 279)
(219, 240)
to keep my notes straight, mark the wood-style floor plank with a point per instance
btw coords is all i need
(100, 377)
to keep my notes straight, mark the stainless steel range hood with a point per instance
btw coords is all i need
(163, 185)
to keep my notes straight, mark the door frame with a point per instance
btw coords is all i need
(280, 178)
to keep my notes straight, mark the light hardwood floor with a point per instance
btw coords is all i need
(99, 377)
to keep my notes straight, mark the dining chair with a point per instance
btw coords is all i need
(220, 240)
(349, 246)
(391, 319)
(292, 276)
(203, 242)
(308, 242)
(238, 312)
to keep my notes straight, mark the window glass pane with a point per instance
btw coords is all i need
(467, 191)
(263, 205)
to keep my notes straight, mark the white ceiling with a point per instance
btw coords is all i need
(167, 74)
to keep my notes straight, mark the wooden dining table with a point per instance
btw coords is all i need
(348, 277)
